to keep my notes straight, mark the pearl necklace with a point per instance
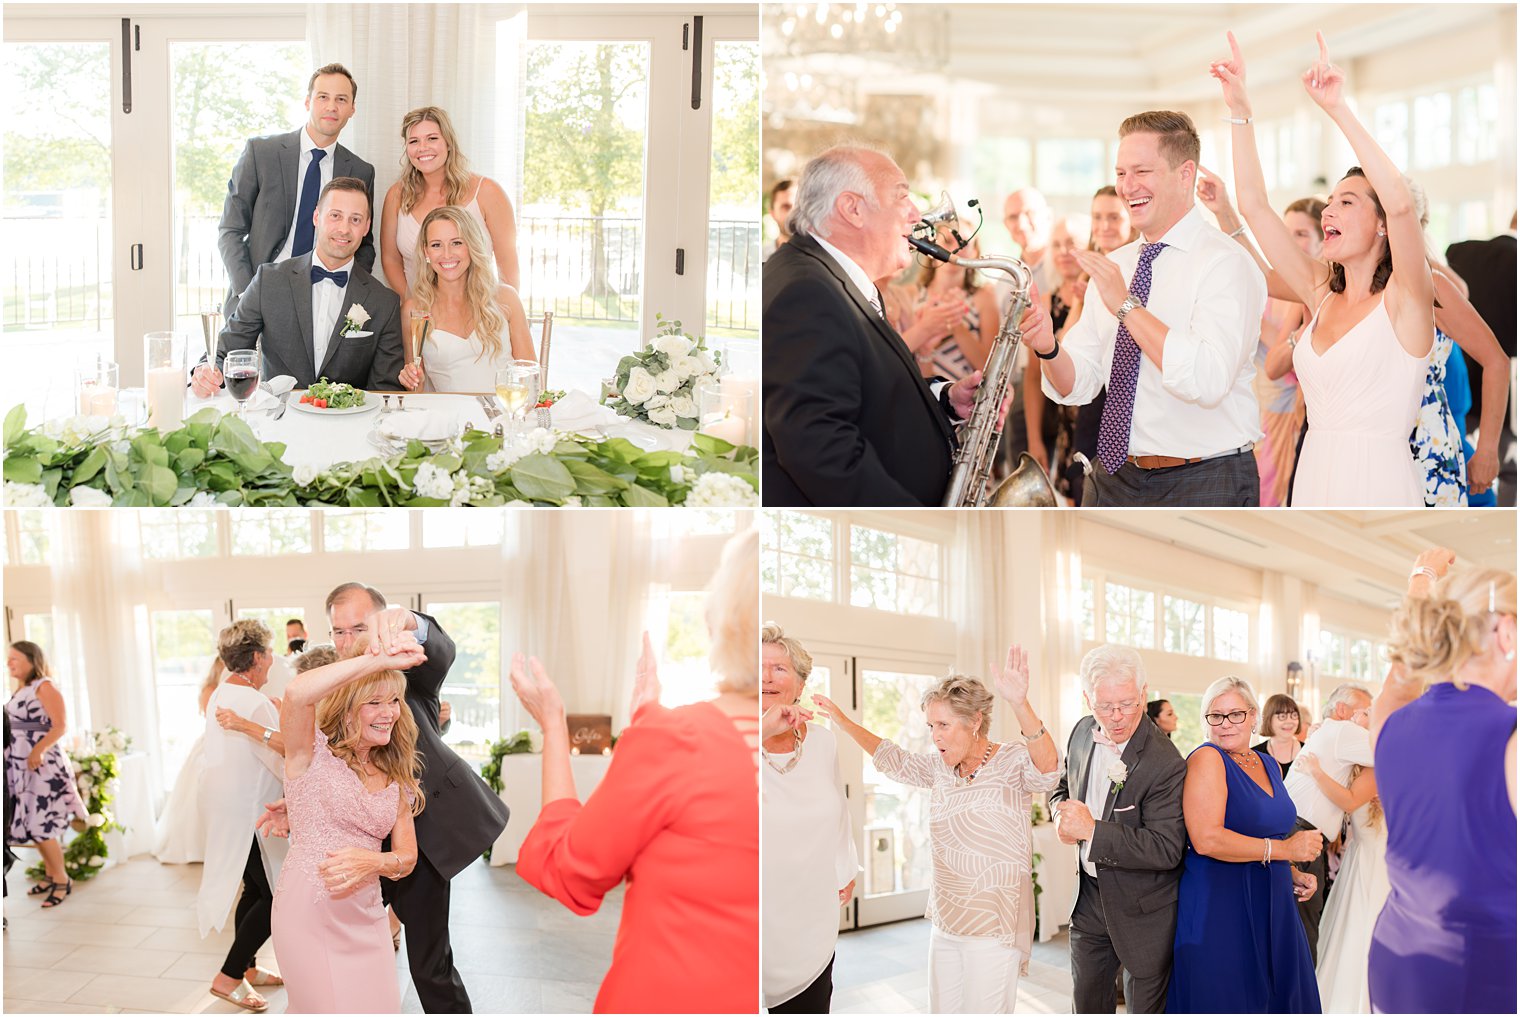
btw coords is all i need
(1242, 758)
(968, 778)
(791, 764)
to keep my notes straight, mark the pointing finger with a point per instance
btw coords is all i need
(1234, 48)
(1324, 51)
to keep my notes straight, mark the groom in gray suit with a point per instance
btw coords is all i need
(273, 191)
(297, 311)
(1121, 800)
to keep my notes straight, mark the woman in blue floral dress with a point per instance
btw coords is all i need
(1437, 439)
(37, 776)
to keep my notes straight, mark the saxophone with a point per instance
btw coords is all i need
(971, 476)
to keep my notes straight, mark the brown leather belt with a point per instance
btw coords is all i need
(1169, 462)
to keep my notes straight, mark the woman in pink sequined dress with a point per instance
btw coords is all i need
(351, 775)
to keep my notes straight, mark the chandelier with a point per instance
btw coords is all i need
(912, 37)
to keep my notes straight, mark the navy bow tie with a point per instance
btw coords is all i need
(318, 273)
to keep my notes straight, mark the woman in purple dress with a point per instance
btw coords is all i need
(1445, 941)
(37, 776)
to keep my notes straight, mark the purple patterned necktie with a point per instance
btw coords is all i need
(1119, 409)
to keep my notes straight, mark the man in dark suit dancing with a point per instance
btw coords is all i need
(462, 817)
(275, 183)
(849, 420)
(1121, 799)
(1488, 267)
(300, 307)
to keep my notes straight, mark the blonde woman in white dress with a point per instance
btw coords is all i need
(981, 905)
(434, 173)
(1356, 899)
(478, 324)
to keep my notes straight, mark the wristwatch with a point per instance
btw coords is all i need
(268, 734)
(1130, 303)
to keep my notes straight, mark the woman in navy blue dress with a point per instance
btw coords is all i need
(1240, 945)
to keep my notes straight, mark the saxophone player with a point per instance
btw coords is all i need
(848, 419)
(1172, 322)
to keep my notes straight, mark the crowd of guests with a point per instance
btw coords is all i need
(297, 240)
(322, 793)
(1247, 406)
(1366, 861)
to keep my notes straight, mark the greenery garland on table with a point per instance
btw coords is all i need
(215, 459)
(95, 771)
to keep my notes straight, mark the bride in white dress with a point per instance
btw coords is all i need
(477, 323)
(181, 831)
(1356, 898)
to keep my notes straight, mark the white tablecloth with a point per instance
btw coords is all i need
(320, 441)
(522, 790)
(1057, 872)
(133, 808)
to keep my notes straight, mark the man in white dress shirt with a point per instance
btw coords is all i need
(308, 310)
(1340, 742)
(1171, 325)
(1120, 798)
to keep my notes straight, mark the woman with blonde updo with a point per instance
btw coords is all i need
(1445, 764)
(982, 904)
(434, 173)
(477, 323)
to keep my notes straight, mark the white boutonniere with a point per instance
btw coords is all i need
(1118, 773)
(355, 320)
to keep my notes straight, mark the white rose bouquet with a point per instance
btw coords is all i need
(658, 384)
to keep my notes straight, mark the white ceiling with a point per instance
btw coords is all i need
(1363, 556)
(1141, 53)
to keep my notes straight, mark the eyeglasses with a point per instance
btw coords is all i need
(1234, 717)
(1113, 709)
(1286, 713)
(357, 630)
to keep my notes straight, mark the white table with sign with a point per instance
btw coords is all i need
(133, 808)
(522, 790)
(1057, 872)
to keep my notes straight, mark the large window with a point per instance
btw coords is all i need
(34, 535)
(685, 676)
(473, 689)
(1183, 626)
(366, 530)
(1232, 635)
(270, 532)
(178, 533)
(462, 527)
(891, 572)
(797, 555)
(184, 642)
(1130, 615)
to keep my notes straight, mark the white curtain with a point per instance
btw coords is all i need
(466, 58)
(1061, 573)
(101, 629)
(577, 595)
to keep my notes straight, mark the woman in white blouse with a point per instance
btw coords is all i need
(808, 849)
(982, 904)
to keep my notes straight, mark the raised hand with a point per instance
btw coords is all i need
(1437, 559)
(403, 653)
(646, 679)
(782, 718)
(829, 707)
(536, 692)
(941, 313)
(1324, 81)
(386, 627)
(1106, 275)
(1213, 193)
(1012, 679)
(1231, 75)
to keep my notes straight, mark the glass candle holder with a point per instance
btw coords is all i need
(164, 357)
(98, 381)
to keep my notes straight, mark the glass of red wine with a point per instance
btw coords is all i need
(241, 372)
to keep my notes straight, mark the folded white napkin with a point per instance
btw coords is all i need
(279, 384)
(423, 425)
(577, 410)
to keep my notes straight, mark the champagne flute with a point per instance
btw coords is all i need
(241, 372)
(422, 324)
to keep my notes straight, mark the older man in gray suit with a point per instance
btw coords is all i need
(273, 191)
(1121, 800)
(320, 315)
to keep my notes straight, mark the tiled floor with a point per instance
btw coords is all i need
(126, 942)
(885, 969)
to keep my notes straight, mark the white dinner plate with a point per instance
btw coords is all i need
(371, 402)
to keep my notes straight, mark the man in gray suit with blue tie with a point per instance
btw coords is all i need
(272, 194)
(320, 315)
